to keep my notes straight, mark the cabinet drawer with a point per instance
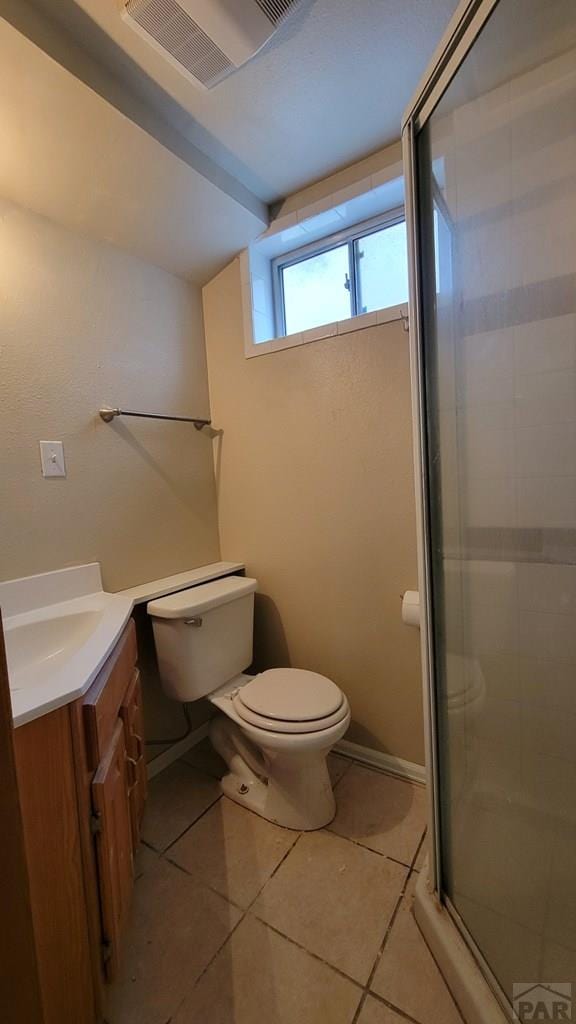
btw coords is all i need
(102, 703)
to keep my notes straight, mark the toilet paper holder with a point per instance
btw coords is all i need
(411, 608)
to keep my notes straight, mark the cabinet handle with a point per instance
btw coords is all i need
(133, 765)
(139, 744)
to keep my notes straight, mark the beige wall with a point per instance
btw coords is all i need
(84, 324)
(314, 476)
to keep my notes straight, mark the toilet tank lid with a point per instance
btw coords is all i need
(200, 599)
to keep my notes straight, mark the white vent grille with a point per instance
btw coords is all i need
(277, 10)
(177, 33)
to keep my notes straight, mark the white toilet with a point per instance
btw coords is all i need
(277, 728)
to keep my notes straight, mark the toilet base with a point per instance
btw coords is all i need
(290, 789)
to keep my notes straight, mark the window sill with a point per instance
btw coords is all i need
(339, 327)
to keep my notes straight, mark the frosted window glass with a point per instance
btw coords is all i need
(315, 290)
(382, 269)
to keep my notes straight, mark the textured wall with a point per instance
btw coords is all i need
(83, 324)
(314, 476)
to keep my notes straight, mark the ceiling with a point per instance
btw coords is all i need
(102, 135)
(328, 89)
(69, 155)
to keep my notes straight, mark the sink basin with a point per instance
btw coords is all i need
(35, 649)
(59, 628)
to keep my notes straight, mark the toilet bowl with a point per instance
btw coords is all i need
(274, 730)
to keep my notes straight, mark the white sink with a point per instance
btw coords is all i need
(35, 649)
(61, 626)
(54, 647)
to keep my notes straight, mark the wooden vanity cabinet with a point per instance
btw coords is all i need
(81, 788)
(111, 792)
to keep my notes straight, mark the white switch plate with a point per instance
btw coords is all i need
(52, 458)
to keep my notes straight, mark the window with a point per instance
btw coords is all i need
(359, 270)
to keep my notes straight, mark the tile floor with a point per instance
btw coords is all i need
(238, 921)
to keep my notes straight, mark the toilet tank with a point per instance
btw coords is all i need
(203, 636)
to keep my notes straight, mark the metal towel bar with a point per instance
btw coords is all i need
(109, 414)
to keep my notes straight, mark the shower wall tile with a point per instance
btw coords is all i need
(548, 786)
(546, 451)
(514, 886)
(558, 962)
(548, 681)
(546, 588)
(549, 730)
(561, 917)
(554, 163)
(546, 501)
(501, 673)
(488, 448)
(546, 253)
(545, 399)
(545, 345)
(495, 771)
(495, 721)
(491, 583)
(545, 635)
(492, 628)
(490, 501)
(486, 367)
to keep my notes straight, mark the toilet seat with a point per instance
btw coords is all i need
(288, 700)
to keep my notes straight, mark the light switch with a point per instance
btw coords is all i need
(52, 458)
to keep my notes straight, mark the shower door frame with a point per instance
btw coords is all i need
(461, 34)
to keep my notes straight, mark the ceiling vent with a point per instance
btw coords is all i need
(276, 10)
(207, 40)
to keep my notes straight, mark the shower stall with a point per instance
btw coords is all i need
(490, 159)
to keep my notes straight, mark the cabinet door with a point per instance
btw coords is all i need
(133, 717)
(20, 993)
(113, 844)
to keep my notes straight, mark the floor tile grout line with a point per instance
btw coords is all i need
(309, 952)
(368, 990)
(243, 915)
(277, 868)
(392, 1006)
(417, 854)
(365, 990)
(360, 1006)
(202, 884)
(213, 958)
(340, 777)
(378, 957)
(228, 899)
(304, 949)
(191, 825)
(356, 842)
(400, 863)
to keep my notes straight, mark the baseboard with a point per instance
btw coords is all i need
(173, 753)
(355, 751)
(384, 762)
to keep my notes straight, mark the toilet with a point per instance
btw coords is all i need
(275, 729)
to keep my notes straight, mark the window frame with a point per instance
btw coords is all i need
(348, 236)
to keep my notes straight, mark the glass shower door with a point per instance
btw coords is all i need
(495, 174)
